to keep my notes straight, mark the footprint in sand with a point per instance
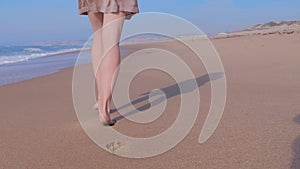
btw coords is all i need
(113, 146)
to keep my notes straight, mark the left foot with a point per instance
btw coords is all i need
(95, 106)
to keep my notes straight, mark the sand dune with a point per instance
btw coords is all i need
(278, 28)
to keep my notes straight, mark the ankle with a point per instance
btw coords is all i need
(103, 106)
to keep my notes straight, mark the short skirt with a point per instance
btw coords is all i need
(130, 7)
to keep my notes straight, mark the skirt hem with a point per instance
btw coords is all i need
(129, 12)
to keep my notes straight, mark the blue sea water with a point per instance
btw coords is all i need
(17, 53)
(27, 61)
(23, 62)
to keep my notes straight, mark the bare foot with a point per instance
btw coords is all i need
(95, 107)
(104, 113)
(106, 120)
(105, 117)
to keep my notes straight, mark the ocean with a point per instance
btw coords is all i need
(27, 61)
(23, 62)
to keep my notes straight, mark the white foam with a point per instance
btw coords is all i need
(20, 58)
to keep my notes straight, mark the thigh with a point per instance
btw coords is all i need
(109, 17)
(112, 27)
(96, 20)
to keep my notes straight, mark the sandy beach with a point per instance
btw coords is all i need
(259, 128)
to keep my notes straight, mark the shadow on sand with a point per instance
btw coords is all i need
(170, 91)
(296, 148)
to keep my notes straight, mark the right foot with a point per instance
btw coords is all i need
(111, 123)
(105, 120)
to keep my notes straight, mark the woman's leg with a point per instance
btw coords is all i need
(108, 69)
(107, 29)
(96, 20)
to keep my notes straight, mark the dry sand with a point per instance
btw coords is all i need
(259, 128)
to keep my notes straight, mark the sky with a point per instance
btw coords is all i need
(58, 20)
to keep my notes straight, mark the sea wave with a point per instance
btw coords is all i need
(35, 53)
(33, 50)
